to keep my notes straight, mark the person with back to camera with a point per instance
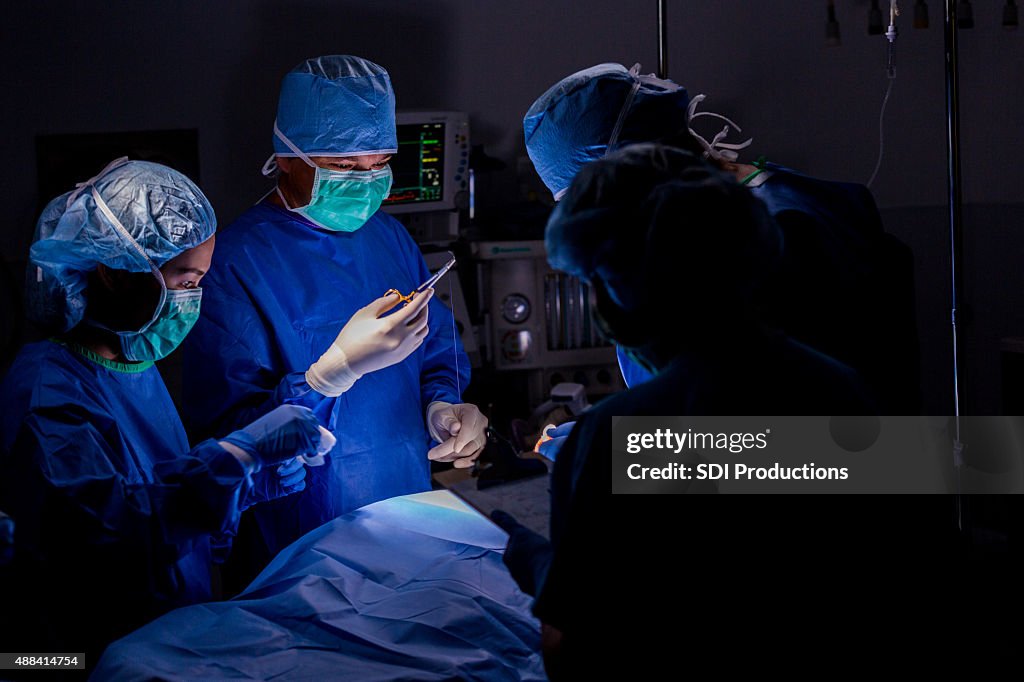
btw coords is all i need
(844, 286)
(679, 297)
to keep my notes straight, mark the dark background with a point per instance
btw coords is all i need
(214, 66)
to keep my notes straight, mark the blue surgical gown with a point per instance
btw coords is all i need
(278, 292)
(845, 286)
(114, 512)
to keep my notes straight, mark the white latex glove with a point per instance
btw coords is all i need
(369, 342)
(327, 443)
(461, 431)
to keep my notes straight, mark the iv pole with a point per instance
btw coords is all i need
(956, 246)
(955, 194)
(662, 39)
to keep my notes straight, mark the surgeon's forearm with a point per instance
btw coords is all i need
(440, 382)
(445, 371)
(292, 389)
(197, 494)
(220, 483)
(439, 392)
(243, 457)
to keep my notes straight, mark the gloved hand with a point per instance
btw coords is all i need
(461, 431)
(369, 342)
(276, 482)
(527, 554)
(281, 434)
(556, 438)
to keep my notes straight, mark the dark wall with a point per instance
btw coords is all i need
(993, 306)
(214, 65)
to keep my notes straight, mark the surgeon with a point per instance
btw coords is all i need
(844, 286)
(680, 300)
(287, 275)
(115, 512)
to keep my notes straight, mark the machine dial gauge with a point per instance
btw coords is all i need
(515, 308)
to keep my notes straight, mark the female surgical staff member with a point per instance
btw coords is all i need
(115, 512)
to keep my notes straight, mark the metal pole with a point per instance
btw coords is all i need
(956, 246)
(662, 39)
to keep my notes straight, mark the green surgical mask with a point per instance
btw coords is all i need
(173, 319)
(341, 201)
(344, 200)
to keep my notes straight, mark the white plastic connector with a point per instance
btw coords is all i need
(894, 11)
(327, 442)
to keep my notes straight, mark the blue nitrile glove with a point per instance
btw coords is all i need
(283, 433)
(558, 436)
(273, 483)
(527, 555)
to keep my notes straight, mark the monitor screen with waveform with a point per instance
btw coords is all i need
(418, 167)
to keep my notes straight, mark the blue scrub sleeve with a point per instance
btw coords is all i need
(632, 373)
(195, 494)
(246, 388)
(443, 351)
(439, 378)
(580, 485)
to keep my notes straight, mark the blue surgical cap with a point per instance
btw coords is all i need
(162, 211)
(663, 230)
(337, 106)
(572, 123)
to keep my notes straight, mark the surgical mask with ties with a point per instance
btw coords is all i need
(341, 201)
(175, 314)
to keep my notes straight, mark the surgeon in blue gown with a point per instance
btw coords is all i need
(115, 512)
(287, 275)
(845, 286)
